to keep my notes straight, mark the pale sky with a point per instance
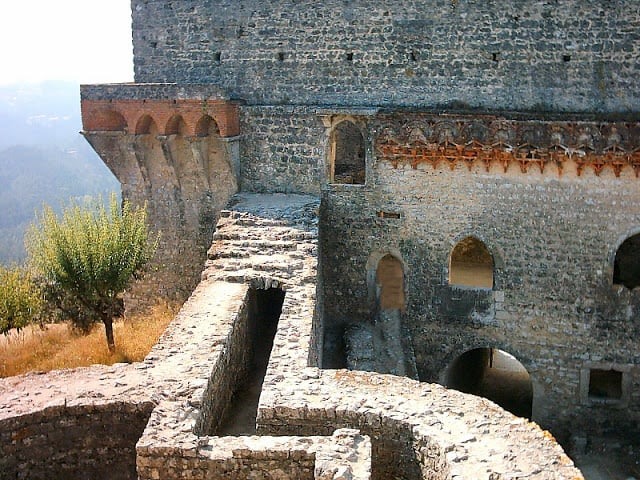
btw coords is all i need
(87, 41)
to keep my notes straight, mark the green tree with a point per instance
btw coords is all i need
(88, 256)
(20, 300)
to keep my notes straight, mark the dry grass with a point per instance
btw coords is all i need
(56, 346)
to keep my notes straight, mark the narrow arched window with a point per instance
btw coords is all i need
(390, 280)
(471, 264)
(626, 266)
(348, 154)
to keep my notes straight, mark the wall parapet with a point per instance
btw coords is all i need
(127, 107)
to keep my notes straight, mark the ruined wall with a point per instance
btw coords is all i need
(78, 442)
(573, 55)
(553, 238)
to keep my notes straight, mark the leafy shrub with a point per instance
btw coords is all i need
(20, 299)
(88, 257)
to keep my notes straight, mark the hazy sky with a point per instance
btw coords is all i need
(88, 41)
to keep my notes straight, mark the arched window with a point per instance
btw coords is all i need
(390, 279)
(471, 264)
(348, 154)
(626, 266)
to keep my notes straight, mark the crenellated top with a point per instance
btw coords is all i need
(162, 108)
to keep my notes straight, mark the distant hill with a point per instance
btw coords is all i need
(43, 158)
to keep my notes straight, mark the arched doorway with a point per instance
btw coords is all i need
(626, 266)
(493, 374)
(347, 154)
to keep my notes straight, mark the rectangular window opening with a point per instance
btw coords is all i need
(605, 384)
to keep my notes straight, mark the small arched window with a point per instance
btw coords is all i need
(471, 264)
(626, 266)
(348, 154)
(390, 279)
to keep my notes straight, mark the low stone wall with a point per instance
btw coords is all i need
(184, 455)
(73, 442)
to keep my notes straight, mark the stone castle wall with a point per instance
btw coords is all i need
(573, 55)
(553, 237)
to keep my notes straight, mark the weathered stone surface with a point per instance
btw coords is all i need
(415, 430)
(575, 56)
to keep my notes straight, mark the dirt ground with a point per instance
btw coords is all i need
(609, 459)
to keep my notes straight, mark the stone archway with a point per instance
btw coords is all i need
(493, 374)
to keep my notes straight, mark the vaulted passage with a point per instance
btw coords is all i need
(626, 267)
(493, 374)
(264, 312)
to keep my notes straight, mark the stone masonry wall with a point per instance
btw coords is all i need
(418, 430)
(573, 55)
(280, 149)
(553, 305)
(74, 442)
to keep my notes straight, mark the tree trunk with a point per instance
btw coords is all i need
(108, 330)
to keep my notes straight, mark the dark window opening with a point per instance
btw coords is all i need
(413, 56)
(605, 384)
(493, 374)
(217, 57)
(471, 264)
(626, 266)
(280, 56)
(566, 58)
(265, 307)
(349, 57)
(348, 154)
(495, 56)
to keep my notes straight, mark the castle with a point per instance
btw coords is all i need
(406, 193)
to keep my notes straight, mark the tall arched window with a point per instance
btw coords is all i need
(390, 279)
(626, 266)
(348, 154)
(471, 264)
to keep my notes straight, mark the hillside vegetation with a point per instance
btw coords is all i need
(43, 159)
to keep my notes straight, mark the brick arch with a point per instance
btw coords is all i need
(176, 125)
(205, 126)
(108, 120)
(145, 124)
